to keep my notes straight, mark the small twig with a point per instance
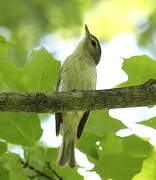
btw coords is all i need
(39, 173)
(53, 171)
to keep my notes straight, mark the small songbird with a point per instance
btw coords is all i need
(78, 72)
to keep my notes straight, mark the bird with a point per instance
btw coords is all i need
(78, 72)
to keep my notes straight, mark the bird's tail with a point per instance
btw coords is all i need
(66, 154)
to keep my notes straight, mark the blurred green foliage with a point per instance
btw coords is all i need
(27, 21)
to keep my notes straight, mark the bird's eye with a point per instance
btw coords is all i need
(93, 43)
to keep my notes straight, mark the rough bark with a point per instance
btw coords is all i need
(43, 102)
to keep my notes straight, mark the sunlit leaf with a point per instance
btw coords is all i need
(118, 158)
(148, 169)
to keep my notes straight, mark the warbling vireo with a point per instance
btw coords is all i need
(77, 72)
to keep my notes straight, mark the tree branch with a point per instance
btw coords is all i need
(53, 171)
(40, 102)
(38, 173)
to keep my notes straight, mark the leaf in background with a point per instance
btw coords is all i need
(3, 47)
(148, 171)
(111, 145)
(3, 147)
(139, 69)
(150, 122)
(66, 173)
(100, 122)
(23, 129)
(4, 173)
(11, 77)
(35, 155)
(137, 147)
(12, 164)
(39, 74)
(41, 71)
(44, 159)
(118, 160)
(98, 125)
(87, 144)
(118, 166)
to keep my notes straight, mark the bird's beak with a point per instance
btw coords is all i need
(87, 31)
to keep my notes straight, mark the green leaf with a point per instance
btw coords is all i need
(111, 145)
(12, 164)
(137, 147)
(121, 158)
(87, 144)
(41, 71)
(139, 69)
(10, 77)
(148, 170)
(66, 173)
(118, 166)
(35, 156)
(4, 173)
(39, 74)
(3, 147)
(101, 123)
(98, 125)
(3, 47)
(44, 159)
(23, 129)
(150, 122)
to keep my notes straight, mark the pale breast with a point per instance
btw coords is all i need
(78, 74)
